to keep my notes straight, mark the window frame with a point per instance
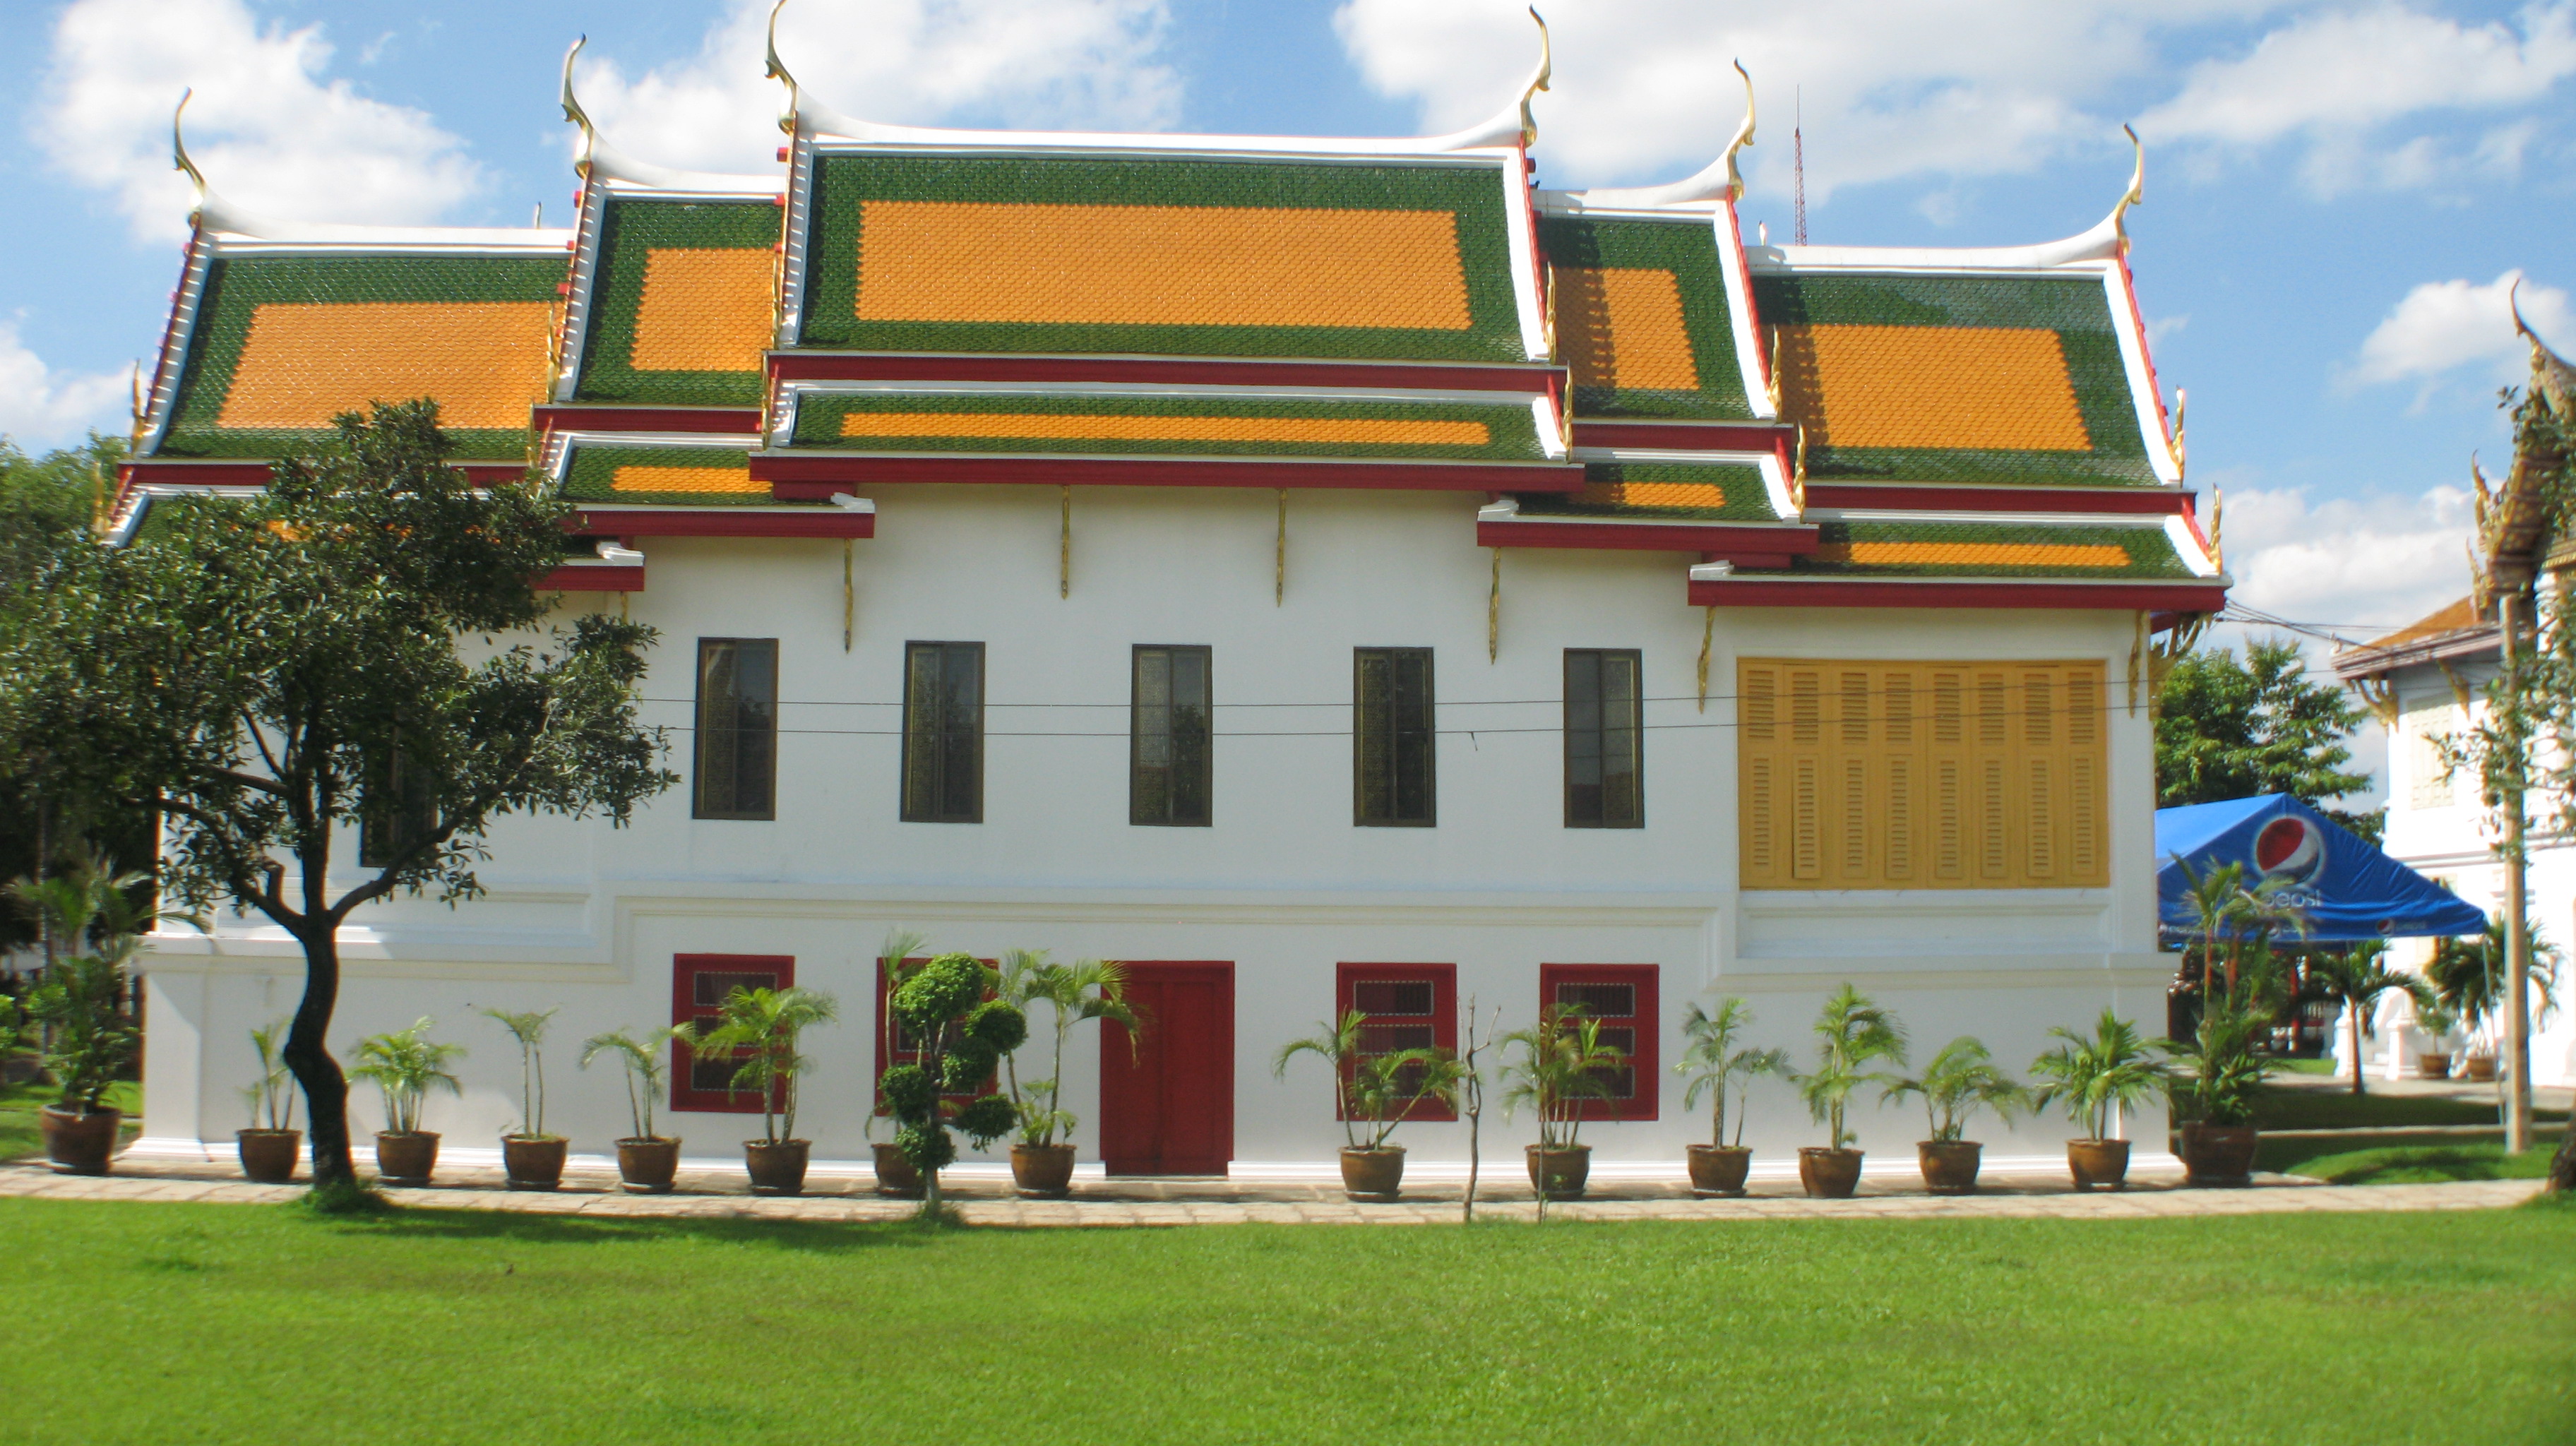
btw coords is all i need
(1136, 738)
(903, 782)
(1601, 730)
(1645, 1062)
(686, 1098)
(1430, 730)
(1443, 979)
(704, 733)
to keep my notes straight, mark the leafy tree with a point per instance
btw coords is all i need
(266, 671)
(2357, 977)
(2229, 729)
(963, 1037)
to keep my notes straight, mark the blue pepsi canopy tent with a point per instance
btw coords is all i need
(2348, 889)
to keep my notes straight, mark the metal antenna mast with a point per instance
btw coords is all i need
(1798, 161)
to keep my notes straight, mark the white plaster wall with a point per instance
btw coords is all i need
(586, 917)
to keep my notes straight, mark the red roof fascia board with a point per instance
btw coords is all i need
(1716, 541)
(1765, 592)
(591, 577)
(1685, 436)
(795, 478)
(735, 421)
(716, 522)
(1998, 499)
(1203, 371)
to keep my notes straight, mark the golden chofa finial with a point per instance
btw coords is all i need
(1743, 138)
(1537, 81)
(2136, 195)
(179, 155)
(574, 113)
(778, 72)
(2551, 375)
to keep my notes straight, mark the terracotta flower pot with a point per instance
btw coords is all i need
(897, 1178)
(533, 1162)
(1950, 1167)
(1719, 1169)
(2433, 1066)
(777, 1167)
(1829, 1174)
(2218, 1156)
(647, 1165)
(406, 1160)
(1561, 1173)
(2478, 1068)
(268, 1156)
(1374, 1177)
(2098, 1162)
(79, 1144)
(1041, 1172)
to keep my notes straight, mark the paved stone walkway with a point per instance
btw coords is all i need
(1215, 1202)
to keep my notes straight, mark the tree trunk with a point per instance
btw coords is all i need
(2358, 1069)
(2562, 1166)
(308, 1054)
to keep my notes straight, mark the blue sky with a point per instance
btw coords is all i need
(2334, 190)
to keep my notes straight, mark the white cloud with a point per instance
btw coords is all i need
(41, 407)
(2358, 565)
(1643, 89)
(271, 132)
(1021, 63)
(2441, 326)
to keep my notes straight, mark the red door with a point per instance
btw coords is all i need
(1167, 1104)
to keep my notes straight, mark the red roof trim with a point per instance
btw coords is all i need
(814, 478)
(1933, 498)
(737, 421)
(1766, 592)
(233, 473)
(1684, 436)
(722, 522)
(1714, 540)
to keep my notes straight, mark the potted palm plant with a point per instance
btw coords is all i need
(646, 1162)
(1714, 1066)
(1372, 1094)
(2357, 977)
(88, 1042)
(268, 1150)
(531, 1159)
(1042, 1158)
(2093, 1079)
(760, 1029)
(1851, 1034)
(2221, 1070)
(1959, 1081)
(1562, 1062)
(405, 1066)
(2436, 1021)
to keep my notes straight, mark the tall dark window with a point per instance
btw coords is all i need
(1604, 740)
(1167, 773)
(943, 733)
(1392, 744)
(737, 728)
(401, 810)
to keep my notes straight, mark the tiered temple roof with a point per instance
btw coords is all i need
(753, 355)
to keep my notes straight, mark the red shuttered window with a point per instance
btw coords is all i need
(1409, 1006)
(699, 984)
(1624, 998)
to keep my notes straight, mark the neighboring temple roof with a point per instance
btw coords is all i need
(1614, 368)
(2453, 632)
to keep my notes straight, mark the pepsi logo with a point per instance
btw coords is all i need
(2290, 847)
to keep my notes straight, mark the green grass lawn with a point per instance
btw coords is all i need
(2282, 1108)
(21, 1135)
(2396, 1158)
(221, 1323)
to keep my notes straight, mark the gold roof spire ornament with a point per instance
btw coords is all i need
(1743, 138)
(777, 71)
(2136, 195)
(179, 158)
(1537, 82)
(574, 113)
(2552, 378)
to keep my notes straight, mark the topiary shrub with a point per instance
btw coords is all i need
(963, 1035)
